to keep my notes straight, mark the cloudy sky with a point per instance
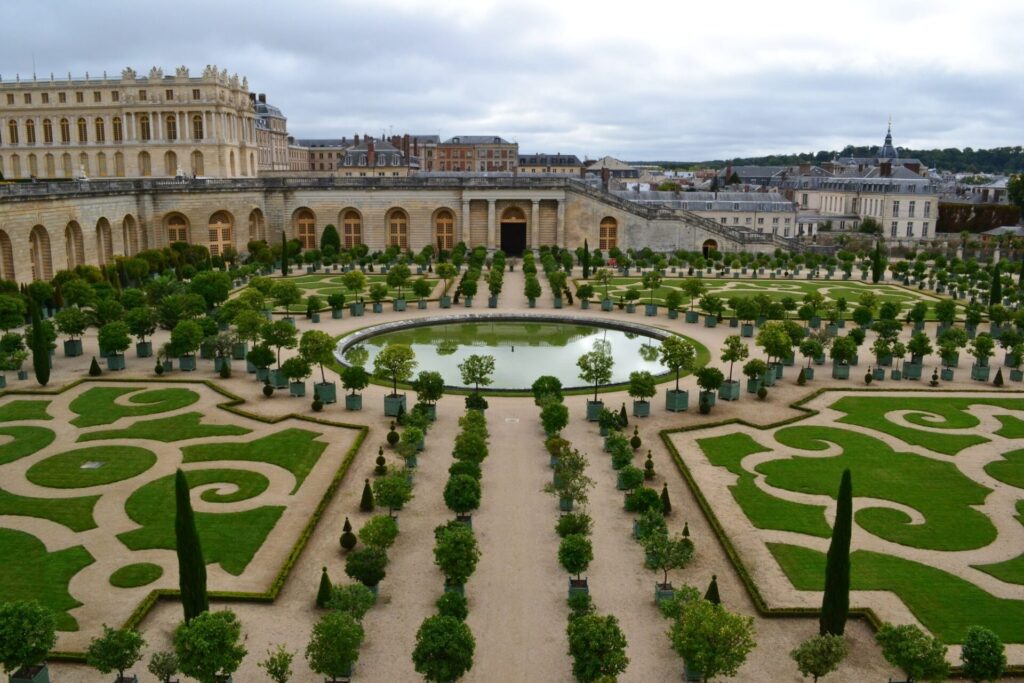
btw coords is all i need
(662, 80)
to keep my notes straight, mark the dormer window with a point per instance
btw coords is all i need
(362, 160)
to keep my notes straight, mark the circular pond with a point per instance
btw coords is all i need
(524, 348)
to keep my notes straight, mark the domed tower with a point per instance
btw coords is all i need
(888, 151)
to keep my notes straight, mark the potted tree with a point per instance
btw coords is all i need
(575, 554)
(665, 553)
(207, 646)
(495, 282)
(746, 312)
(261, 357)
(318, 347)
(920, 347)
(444, 648)
(842, 352)
(982, 348)
(72, 322)
(709, 379)
(313, 305)
(113, 337)
(694, 289)
(554, 416)
(336, 300)
(455, 554)
(278, 335)
(604, 278)
(248, 327)
(116, 650)
(27, 634)
(469, 287)
(775, 339)
(673, 299)
(641, 388)
(556, 281)
(478, 371)
(899, 350)
(396, 363)
(286, 294)
(393, 490)
(355, 282)
(142, 322)
(429, 386)
(810, 348)
(882, 348)
(163, 664)
(713, 306)
(532, 290)
(333, 647)
(755, 370)
(584, 293)
(354, 378)
(1013, 359)
(446, 272)
(462, 496)
(597, 646)
(596, 368)
(378, 292)
(678, 355)
(651, 281)
(186, 337)
(422, 287)
(397, 278)
(733, 351)
(921, 656)
(570, 483)
(296, 369)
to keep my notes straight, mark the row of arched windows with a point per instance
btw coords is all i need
(145, 132)
(396, 222)
(96, 164)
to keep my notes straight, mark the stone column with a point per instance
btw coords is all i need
(491, 241)
(535, 224)
(560, 225)
(464, 223)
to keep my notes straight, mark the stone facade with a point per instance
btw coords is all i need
(132, 126)
(477, 154)
(47, 227)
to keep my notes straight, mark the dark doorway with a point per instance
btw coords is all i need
(708, 247)
(513, 238)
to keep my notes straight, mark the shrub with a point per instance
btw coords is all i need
(762, 393)
(574, 523)
(207, 646)
(983, 655)
(94, 368)
(444, 649)
(115, 650)
(598, 648)
(367, 566)
(650, 522)
(354, 599)
(323, 593)
(580, 604)
(455, 552)
(466, 467)
(380, 531)
(278, 664)
(820, 655)
(452, 604)
(334, 645)
(462, 493)
(643, 499)
(366, 503)
(998, 381)
(163, 665)
(908, 647)
(575, 553)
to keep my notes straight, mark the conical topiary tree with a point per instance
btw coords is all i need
(40, 347)
(323, 594)
(998, 381)
(712, 595)
(835, 604)
(94, 368)
(666, 503)
(366, 502)
(382, 464)
(191, 566)
(348, 539)
(623, 419)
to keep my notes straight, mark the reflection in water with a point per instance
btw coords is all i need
(522, 351)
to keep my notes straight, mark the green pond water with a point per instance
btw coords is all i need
(522, 351)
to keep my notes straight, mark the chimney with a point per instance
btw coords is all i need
(252, 97)
(356, 138)
(263, 98)
(371, 155)
(885, 169)
(416, 147)
(605, 176)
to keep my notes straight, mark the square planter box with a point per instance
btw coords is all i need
(187, 363)
(753, 385)
(947, 374)
(641, 409)
(691, 316)
(327, 391)
(840, 372)
(1016, 375)
(912, 371)
(72, 348)
(733, 322)
(710, 321)
(239, 350)
(392, 405)
(378, 307)
(789, 361)
(650, 309)
(278, 380)
(578, 586)
(398, 305)
(262, 374)
(492, 302)
(677, 401)
(895, 374)
(249, 367)
(3, 381)
(884, 361)
(353, 401)
(531, 303)
(446, 302)
(421, 304)
(769, 378)
(663, 592)
(337, 313)
(31, 674)
(468, 302)
(144, 349)
(356, 309)
(206, 352)
(778, 367)
(219, 362)
(673, 314)
(606, 304)
(630, 308)
(746, 330)
(115, 361)
(980, 372)
(315, 317)
(729, 391)
(878, 374)
(585, 304)
(565, 504)
(808, 373)
(594, 410)
(708, 396)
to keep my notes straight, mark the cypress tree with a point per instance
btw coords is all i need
(585, 260)
(330, 238)
(995, 295)
(366, 502)
(191, 566)
(666, 504)
(835, 604)
(284, 253)
(324, 592)
(623, 418)
(40, 347)
(712, 593)
(877, 263)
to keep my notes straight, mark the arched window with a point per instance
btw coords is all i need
(172, 127)
(101, 130)
(444, 230)
(255, 225)
(6, 257)
(609, 237)
(305, 228)
(48, 131)
(15, 166)
(104, 242)
(177, 229)
(220, 232)
(65, 165)
(129, 236)
(51, 166)
(83, 164)
(101, 165)
(352, 227)
(197, 127)
(118, 164)
(170, 163)
(197, 163)
(117, 129)
(83, 131)
(65, 131)
(231, 160)
(74, 244)
(30, 132)
(144, 127)
(39, 254)
(398, 229)
(145, 165)
(33, 165)
(12, 132)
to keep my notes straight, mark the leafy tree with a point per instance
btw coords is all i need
(922, 657)
(598, 648)
(983, 655)
(116, 650)
(835, 605)
(712, 640)
(279, 334)
(452, 604)
(444, 649)
(575, 553)
(334, 645)
(398, 277)
(163, 664)
(775, 339)
(596, 365)
(113, 337)
(693, 288)
(545, 387)
(462, 493)
(367, 566)
(285, 294)
(380, 531)
(191, 566)
(709, 378)
(651, 281)
(141, 321)
(429, 386)
(186, 337)
(820, 655)
(72, 321)
(317, 347)
(354, 281)
(396, 363)
(296, 368)
(392, 490)
(354, 378)
(733, 351)
(665, 552)
(354, 599)
(208, 647)
(278, 664)
(982, 348)
(554, 416)
(330, 238)
(40, 347)
(422, 287)
(12, 311)
(455, 552)
(477, 370)
(213, 285)
(27, 634)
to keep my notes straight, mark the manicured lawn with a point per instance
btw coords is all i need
(97, 406)
(945, 604)
(296, 450)
(20, 409)
(1012, 570)
(1009, 470)
(27, 440)
(71, 470)
(869, 411)
(228, 538)
(135, 575)
(167, 430)
(29, 572)
(762, 509)
(938, 490)
(74, 513)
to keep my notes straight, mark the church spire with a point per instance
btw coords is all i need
(888, 151)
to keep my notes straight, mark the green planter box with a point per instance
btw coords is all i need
(72, 348)
(746, 330)
(947, 374)
(606, 304)
(492, 302)
(337, 313)
(585, 304)
(691, 316)
(115, 361)
(578, 586)
(677, 401)
(220, 362)
(878, 374)
(808, 373)
(357, 309)
(297, 389)
(421, 304)
(895, 374)
(1016, 375)
(398, 305)
(663, 592)
(32, 674)
(187, 363)
(729, 391)
(239, 350)
(710, 321)
(789, 361)
(531, 303)
(565, 504)
(673, 314)
(630, 308)
(468, 302)
(884, 361)
(641, 409)
(392, 405)
(144, 349)
(378, 307)
(708, 397)
(840, 372)
(650, 309)
(753, 385)
(353, 401)
(262, 374)
(980, 372)
(278, 380)
(769, 378)
(557, 301)
(446, 301)
(327, 391)
(594, 410)
(912, 371)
